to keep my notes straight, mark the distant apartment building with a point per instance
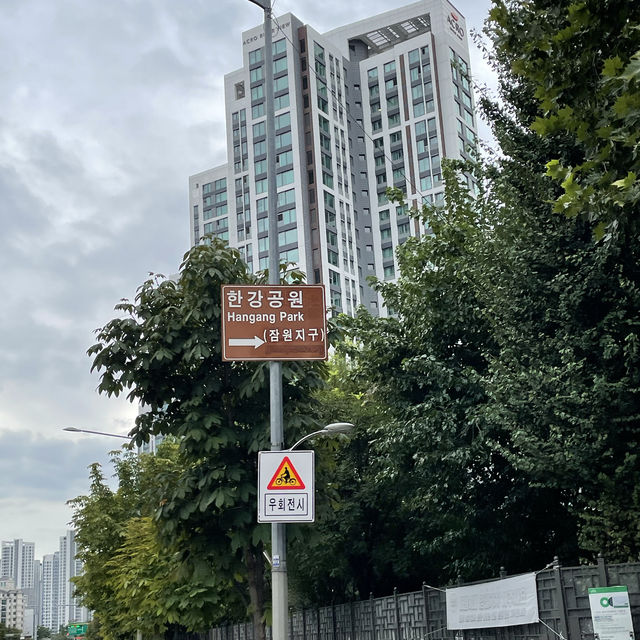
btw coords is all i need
(50, 582)
(12, 604)
(374, 104)
(17, 562)
(68, 605)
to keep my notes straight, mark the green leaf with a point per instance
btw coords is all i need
(611, 67)
(625, 183)
(632, 70)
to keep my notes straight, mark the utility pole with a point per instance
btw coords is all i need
(279, 586)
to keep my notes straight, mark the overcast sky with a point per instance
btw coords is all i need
(106, 109)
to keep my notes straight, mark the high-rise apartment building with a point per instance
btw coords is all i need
(17, 562)
(12, 604)
(374, 104)
(50, 584)
(68, 606)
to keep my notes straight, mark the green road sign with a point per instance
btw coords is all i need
(75, 630)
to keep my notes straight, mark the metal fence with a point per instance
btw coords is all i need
(563, 602)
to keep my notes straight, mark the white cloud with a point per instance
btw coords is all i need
(107, 108)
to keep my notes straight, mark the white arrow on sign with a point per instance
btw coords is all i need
(254, 342)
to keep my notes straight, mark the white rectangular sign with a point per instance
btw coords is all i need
(500, 603)
(611, 613)
(286, 486)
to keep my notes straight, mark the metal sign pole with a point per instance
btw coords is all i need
(279, 586)
(278, 536)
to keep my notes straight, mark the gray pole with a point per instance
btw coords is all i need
(279, 587)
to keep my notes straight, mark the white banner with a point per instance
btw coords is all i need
(501, 603)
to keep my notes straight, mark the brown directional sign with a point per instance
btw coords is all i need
(264, 322)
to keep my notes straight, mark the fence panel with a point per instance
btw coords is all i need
(563, 603)
(411, 614)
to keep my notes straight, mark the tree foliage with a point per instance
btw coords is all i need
(9, 633)
(131, 579)
(582, 62)
(566, 381)
(508, 371)
(165, 353)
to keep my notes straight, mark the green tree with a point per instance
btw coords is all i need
(44, 632)
(166, 353)
(462, 507)
(581, 60)
(9, 633)
(352, 545)
(131, 580)
(566, 383)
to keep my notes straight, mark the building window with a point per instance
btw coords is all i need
(283, 159)
(286, 197)
(283, 120)
(281, 102)
(279, 65)
(287, 217)
(280, 84)
(468, 118)
(283, 140)
(394, 120)
(390, 66)
(287, 237)
(286, 177)
(255, 56)
(289, 256)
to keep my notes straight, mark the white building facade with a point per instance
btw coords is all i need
(12, 604)
(68, 606)
(17, 562)
(370, 105)
(50, 582)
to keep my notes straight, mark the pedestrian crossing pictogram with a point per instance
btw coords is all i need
(285, 477)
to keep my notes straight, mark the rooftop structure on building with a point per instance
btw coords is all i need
(374, 104)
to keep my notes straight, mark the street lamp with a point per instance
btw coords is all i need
(330, 429)
(278, 561)
(111, 435)
(100, 433)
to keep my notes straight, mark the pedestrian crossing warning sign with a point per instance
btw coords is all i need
(285, 477)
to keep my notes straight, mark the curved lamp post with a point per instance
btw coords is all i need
(330, 429)
(99, 433)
